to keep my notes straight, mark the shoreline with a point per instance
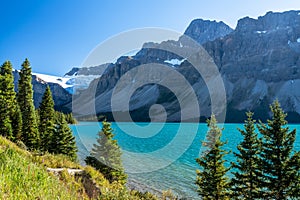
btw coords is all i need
(133, 184)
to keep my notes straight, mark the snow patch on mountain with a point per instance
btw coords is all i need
(260, 32)
(62, 81)
(174, 61)
(81, 81)
(69, 83)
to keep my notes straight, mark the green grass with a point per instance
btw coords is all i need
(23, 176)
(22, 179)
(56, 161)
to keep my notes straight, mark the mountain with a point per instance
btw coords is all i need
(80, 78)
(58, 86)
(259, 61)
(100, 89)
(204, 30)
(62, 87)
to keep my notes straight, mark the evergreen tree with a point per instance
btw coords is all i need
(247, 169)
(211, 180)
(63, 141)
(281, 166)
(16, 123)
(70, 119)
(37, 114)
(5, 122)
(46, 119)
(58, 116)
(106, 155)
(30, 134)
(9, 107)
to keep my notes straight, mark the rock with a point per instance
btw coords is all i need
(70, 171)
(204, 30)
(259, 61)
(86, 71)
(60, 96)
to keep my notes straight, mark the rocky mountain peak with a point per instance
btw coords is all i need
(259, 61)
(206, 30)
(270, 22)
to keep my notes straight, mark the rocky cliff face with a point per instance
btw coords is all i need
(87, 71)
(204, 30)
(60, 95)
(259, 61)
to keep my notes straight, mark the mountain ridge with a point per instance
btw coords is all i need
(259, 61)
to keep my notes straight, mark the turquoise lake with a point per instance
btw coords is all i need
(163, 155)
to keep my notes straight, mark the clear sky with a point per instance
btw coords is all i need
(58, 34)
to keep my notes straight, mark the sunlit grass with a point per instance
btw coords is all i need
(23, 175)
(22, 179)
(56, 161)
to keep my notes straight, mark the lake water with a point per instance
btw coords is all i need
(161, 156)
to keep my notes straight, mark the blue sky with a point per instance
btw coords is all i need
(58, 34)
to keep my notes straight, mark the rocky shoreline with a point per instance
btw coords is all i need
(133, 184)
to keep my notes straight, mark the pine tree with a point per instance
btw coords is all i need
(70, 119)
(106, 155)
(211, 180)
(46, 119)
(63, 141)
(5, 122)
(16, 123)
(30, 134)
(247, 169)
(281, 166)
(9, 106)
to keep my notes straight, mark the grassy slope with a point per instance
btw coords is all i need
(23, 175)
(23, 179)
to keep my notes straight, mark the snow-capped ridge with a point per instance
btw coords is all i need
(62, 81)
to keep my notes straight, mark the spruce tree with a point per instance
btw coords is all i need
(10, 122)
(46, 119)
(211, 179)
(281, 166)
(30, 134)
(63, 141)
(247, 169)
(106, 155)
(70, 119)
(16, 123)
(5, 122)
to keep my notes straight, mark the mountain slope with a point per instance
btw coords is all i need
(259, 61)
(23, 179)
(149, 94)
(80, 78)
(59, 87)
